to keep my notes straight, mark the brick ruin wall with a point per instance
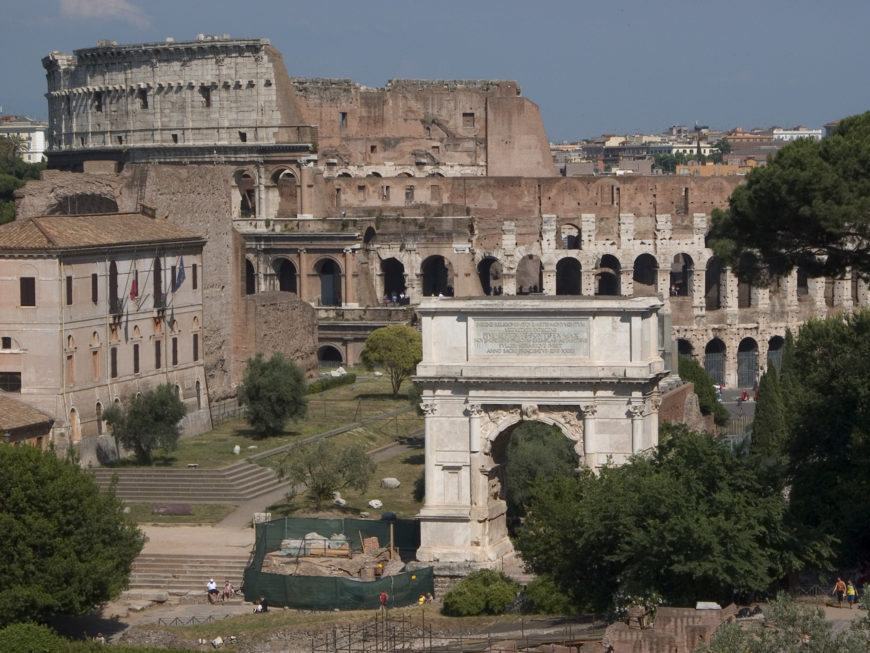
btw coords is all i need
(281, 323)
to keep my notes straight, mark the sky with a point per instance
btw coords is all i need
(592, 66)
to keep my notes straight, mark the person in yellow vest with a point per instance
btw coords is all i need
(851, 594)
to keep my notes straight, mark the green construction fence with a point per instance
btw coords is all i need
(329, 593)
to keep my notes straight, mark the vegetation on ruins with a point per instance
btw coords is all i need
(692, 521)
(321, 469)
(397, 348)
(273, 393)
(67, 546)
(484, 591)
(808, 208)
(14, 173)
(789, 627)
(691, 371)
(150, 421)
(535, 451)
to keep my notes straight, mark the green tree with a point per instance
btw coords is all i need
(808, 207)
(396, 348)
(769, 428)
(322, 470)
(829, 432)
(484, 591)
(273, 392)
(722, 147)
(691, 522)
(151, 421)
(13, 174)
(67, 545)
(691, 371)
(535, 451)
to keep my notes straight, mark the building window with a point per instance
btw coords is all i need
(409, 193)
(98, 102)
(361, 193)
(174, 276)
(468, 119)
(193, 276)
(70, 370)
(142, 96)
(136, 359)
(175, 351)
(243, 137)
(436, 149)
(342, 119)
(69, 290)
(95, 359)
(28, 291)
(205, 92)
(113, 361)
(373, 149)
(10, 381)
(158, 361)
(6, 342)
(175, 138)
(385, 192)
(195, 346)
(95, 288)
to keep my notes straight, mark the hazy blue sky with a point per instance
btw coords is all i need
(603, 66)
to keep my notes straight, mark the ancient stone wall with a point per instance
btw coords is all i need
(280, 322)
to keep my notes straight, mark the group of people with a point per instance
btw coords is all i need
(845, 590)
(396, 300)
(215, 596)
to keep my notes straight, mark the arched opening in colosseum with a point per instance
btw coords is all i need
(747, 363)
(330, 282)
(329, 356)
(682, 269)
(713, 285)
(570, 236)
(374, 174)
(507, 460)
(530, 275)
(343, 174)
(803, 284)
(250, 278)
(437, 277)
(489, 272)
(247, 194)
(774, 352)
(394, 277)
(685, 348)
(285, 274)
(714, 360)
(645, 275)
(369, 236)
(607, 275)
(285, 184)
(568, 277)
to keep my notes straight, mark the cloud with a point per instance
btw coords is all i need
(108, 10)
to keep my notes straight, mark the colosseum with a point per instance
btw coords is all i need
(362, 200)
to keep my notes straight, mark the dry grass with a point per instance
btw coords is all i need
(143, 513)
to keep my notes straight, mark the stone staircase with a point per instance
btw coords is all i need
(234, 484)
(183, 577)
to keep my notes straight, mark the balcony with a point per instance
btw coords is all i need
(159, 301)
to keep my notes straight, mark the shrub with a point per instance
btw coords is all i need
(328, 382)
(481, 592)
(542, 596)
(31, 638)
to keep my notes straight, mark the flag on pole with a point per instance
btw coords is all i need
(134, 287)
(179, 278)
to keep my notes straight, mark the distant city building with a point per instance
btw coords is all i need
(789, 135)
(31, 133)
(710, 169)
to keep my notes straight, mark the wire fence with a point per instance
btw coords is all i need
(189, 621)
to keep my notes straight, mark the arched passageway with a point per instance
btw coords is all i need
(330, 282)
(247, 194)
(369, 236)
(285, 273)
(714, 360)
(394, 278)
(570, 236)
(712, 285)
(329, 356)
(568, 279)
(286, 185)
(607, 280)
(747, 363)
(682, 269)
(250, 278)
(685, 348)
(437, 277)
(645, 275)
(530, 275)
(774, 352)
(489, 272)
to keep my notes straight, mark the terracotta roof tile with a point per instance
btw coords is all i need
(15, 414)
(56, 232)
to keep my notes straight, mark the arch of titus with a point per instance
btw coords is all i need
(589, 366)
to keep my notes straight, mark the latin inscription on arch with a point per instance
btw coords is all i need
(531, 337)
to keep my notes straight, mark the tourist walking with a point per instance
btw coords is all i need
(839, 590)
(851, 594)
(383, 602)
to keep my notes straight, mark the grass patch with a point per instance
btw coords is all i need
(331, 409)
(406, 466)
(203, 513)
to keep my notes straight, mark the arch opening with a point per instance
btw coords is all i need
(685, 348)
(285, 273)
(568, 277)
(712, 285)
(394, 280)
(570, 236)
(530, 275)
(489, 271)
(437, 277)
(330, 282)
(645, 275)
(329, 356)
(250, 278)
(682, 271)
(714, 360)
(747, 363)
(774, 352)
(607, 275)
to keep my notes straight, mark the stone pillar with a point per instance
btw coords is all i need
(843, 291)
(626, 282)
(348, 293)
(626, 229)
(587, 231)
(816, 288)
(587, 282)
(664, 227)
(548, 233)
(429, 410)
(635, 411)
(590, 446)
(301, 271)
(306, 191)
(509, 275)
(260, 214)
(549, 287)
(699, 299)
(478, 474)
(663, 283)
(728, 294)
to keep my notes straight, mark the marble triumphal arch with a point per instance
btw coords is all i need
(589, 366)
